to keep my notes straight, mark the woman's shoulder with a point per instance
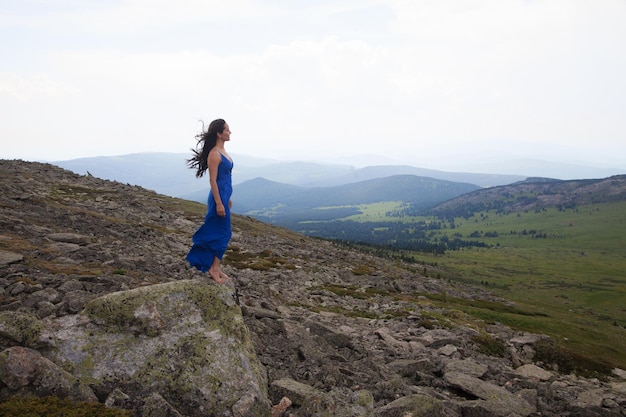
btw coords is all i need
(218, 155)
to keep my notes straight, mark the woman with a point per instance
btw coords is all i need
(211, 239)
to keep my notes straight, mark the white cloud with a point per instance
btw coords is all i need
(421, 79)
(23, 90)
(126, 16)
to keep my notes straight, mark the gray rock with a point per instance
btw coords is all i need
(619, 372)
(391, 341)
(17, 328)
(416, 405)
(437, 338)
(526, 339)
(619, 387)
(48, 294)
(73, 238)
(185, 340)
(447, 350)
(24, 371)
(467, 367)
(410, 367)
(494, 396)
(300, 394)
(7, 258)
(534, 372)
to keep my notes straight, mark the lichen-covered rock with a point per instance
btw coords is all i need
(17, 328)
(184, 340)
(24, 372)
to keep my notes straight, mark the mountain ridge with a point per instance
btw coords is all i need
(167, 173)
(538, 194)
(259, 196)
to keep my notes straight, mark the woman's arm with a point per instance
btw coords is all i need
(215, 158)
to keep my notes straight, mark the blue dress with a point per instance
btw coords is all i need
(212, 238)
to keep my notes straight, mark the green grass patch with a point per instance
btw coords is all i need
(381, 211)
(258, 261)
(489, 345)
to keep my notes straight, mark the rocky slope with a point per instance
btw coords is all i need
(338, 332)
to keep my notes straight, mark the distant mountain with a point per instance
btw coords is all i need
(272, 201)
(263, 194)
(536, 194)
(167, 173)
(381, 171)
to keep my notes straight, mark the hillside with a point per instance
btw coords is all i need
(536, 194)
(339, 332)
(274, 202)
(407, 221)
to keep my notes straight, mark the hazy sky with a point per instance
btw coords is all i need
(435, 83)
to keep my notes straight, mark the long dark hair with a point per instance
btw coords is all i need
(206, 142)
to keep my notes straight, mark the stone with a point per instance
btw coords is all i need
(447, 350)
(7, 258)
(409, 367)
(279, 409)
(17, 328)
(391, 341)
(25, 371)
(298, 393)
(497, 397)
(416, 405)
(526, 339)
(619, 387)
(73, 238)
(619, 372)
(437, 338)
(533, 372)
(467, 367)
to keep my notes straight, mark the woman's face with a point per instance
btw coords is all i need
(225, 135)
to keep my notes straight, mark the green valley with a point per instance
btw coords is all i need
(566, 267)
(562, 263)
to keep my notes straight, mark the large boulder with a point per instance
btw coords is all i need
(184, 342)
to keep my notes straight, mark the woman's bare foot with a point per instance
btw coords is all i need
(224, 276)
(217, 276)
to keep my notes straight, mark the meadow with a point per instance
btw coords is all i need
(565, 267)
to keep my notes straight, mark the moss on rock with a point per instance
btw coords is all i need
(18, 328)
